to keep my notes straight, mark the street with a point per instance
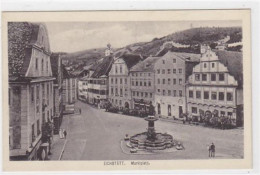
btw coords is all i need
(96, 135)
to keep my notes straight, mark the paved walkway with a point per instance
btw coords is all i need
(59, 144)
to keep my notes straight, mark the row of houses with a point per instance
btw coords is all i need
(39, 89)
(175, 83)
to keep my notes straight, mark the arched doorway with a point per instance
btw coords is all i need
(127, 105)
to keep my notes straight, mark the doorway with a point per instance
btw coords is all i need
(159, 108)
(180, 111)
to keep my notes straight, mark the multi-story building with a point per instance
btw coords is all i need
(69, 86)
(30, 89)
(171, 72)
(119, 80)
(56, 66)
(216, 85)
(98, 81)
(83, 88)
(142, 83)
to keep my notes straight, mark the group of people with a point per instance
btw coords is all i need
(63, 133)
(212, 150)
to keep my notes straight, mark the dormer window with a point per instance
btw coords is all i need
(42, 64)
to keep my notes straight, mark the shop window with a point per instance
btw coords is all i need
(194, 110)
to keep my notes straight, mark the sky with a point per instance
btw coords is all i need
(78, 36)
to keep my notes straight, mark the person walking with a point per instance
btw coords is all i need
(213, 149)
(209, 149)
(65, 133)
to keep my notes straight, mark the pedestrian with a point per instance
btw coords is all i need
(213, 149)
(65, 133)
(208, 147)
(60, 133)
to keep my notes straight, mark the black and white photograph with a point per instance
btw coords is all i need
(126, 90)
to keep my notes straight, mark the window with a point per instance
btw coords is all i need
(133, 83)
(163, 71)
(112, 91)
(125, 80)
(221, 77)
(116, 92)
(136, 83)
(133, 93)
(141, 74)
(221, 96)
(169, 81)
(141, 83)
(229, 96)
(222, 113)
(169, 71)
(212, 65)
(149, 83)
(180, 81)
(205, 65)
(174, 60)
(163, 92)
(149, 74)
(137, 94)
(116, 69)
(163, 61)
(174, 93)
(163, 81)
(47, 66)
(121, 81)
(213, 95)
(169, 92)
(158, 71)
(32, 94)
(180, 93)
(42, 65)
(230, 114)
(151, 95)
(158, 90)
(146, 94)
(116, 80)
(190, 94)
(112, 80)
(142, 94)
(174, 81)
(174, 71)
(145, 83)
(158, 81)
(36, 63)
(194, 110)
(198, 94)
(213, 77)
(206, 95)
(180, 71)
(121, 92)
(204, 77)
(120, 68)
(197, 77)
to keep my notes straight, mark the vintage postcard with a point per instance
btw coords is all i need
(127, 90)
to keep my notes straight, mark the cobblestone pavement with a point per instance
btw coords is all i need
(96, 135)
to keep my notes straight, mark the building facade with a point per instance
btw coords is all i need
(83, 88)
(142, 83)
(69, 87)
(119, 80)
(216, 85)
(170, 82)
(57, 72)
(30, 90)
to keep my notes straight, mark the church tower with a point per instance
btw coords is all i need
(109, 50)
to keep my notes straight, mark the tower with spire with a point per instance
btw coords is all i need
(109, 50)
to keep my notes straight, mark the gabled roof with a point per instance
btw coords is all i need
(184, 56)
(21, 37)
(234, 63)
(145, 66)
(130, 60)
(103, 68)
